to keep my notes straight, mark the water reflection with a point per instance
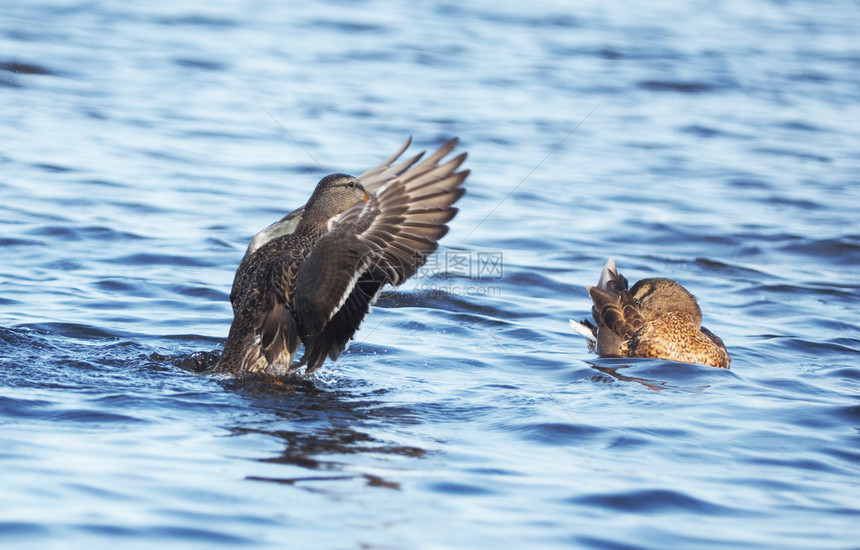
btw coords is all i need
(655, 385)
(310, 450)
(328, 416)
(318, 428)
(660, 375)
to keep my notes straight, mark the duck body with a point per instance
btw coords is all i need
(656, 318)
(311, 277)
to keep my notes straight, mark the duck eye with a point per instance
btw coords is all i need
(351, 185)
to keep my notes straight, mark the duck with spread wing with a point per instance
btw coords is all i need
(311, 277)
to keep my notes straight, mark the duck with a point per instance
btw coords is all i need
(310, 278)
(656, 318)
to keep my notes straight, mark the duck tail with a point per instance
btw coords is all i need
(587, 329)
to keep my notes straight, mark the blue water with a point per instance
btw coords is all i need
(142, 145)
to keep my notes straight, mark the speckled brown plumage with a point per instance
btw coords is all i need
(656, 318)
(310, 278)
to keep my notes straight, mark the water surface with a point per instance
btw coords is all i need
(142, 146)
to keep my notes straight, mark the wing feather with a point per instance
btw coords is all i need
(615, 311)
(382, 241)
(384, 172)
(372, 180)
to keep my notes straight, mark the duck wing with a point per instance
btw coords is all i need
(372, 180)
(386, 171)
(382, 241)
(615, 311)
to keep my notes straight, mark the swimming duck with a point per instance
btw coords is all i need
(311, 277)
(657, 318)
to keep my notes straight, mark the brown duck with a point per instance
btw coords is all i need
(657, 318)
(311, 277)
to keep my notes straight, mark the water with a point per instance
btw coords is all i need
(142, 146)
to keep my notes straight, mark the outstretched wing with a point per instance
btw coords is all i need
(615, 311)
(372, 180)
(383, 241)
(386, 171)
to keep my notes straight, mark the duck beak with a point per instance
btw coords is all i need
(366, 196)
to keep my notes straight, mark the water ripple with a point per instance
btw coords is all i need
(655, 502)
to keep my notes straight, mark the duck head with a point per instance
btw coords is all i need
(333, 194)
